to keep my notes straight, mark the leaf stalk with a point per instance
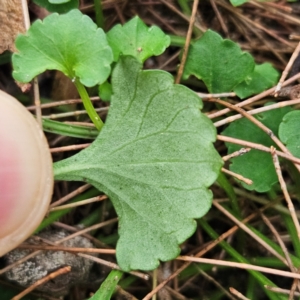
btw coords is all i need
(99, 13)
(107, 288)
(88, 104)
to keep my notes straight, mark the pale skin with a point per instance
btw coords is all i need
(26, 177)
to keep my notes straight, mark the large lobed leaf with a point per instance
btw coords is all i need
(136, 39)
(155, 159)
(70, 43)
(220, 63)
(255, 165)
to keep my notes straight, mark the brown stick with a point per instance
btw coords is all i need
(187, 42)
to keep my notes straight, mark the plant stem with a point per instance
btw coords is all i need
(108, 286)
(184, 7)
(177, 41)
(88, 104)
(99, 13)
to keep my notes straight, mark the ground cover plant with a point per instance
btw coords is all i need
(155, 157)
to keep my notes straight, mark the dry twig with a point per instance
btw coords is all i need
(285, 191)
(69, 148)
(238, 294)
(79, 203)
(240, 152)
(238, 265)
(187, 42)
(237, 176)
(70, 195)
(279, 290)
(287, 69)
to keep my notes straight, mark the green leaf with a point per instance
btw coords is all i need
(289, 132)
(238, 2)
(263, 77)
(155, 159)
(220, 63)
(136, 39)
(255, 165)
(59, 8)
(70, 43)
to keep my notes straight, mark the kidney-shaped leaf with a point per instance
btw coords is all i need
(70, 43)
(155, 159)
(136, 39)
(220, 63)
(289, 131)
